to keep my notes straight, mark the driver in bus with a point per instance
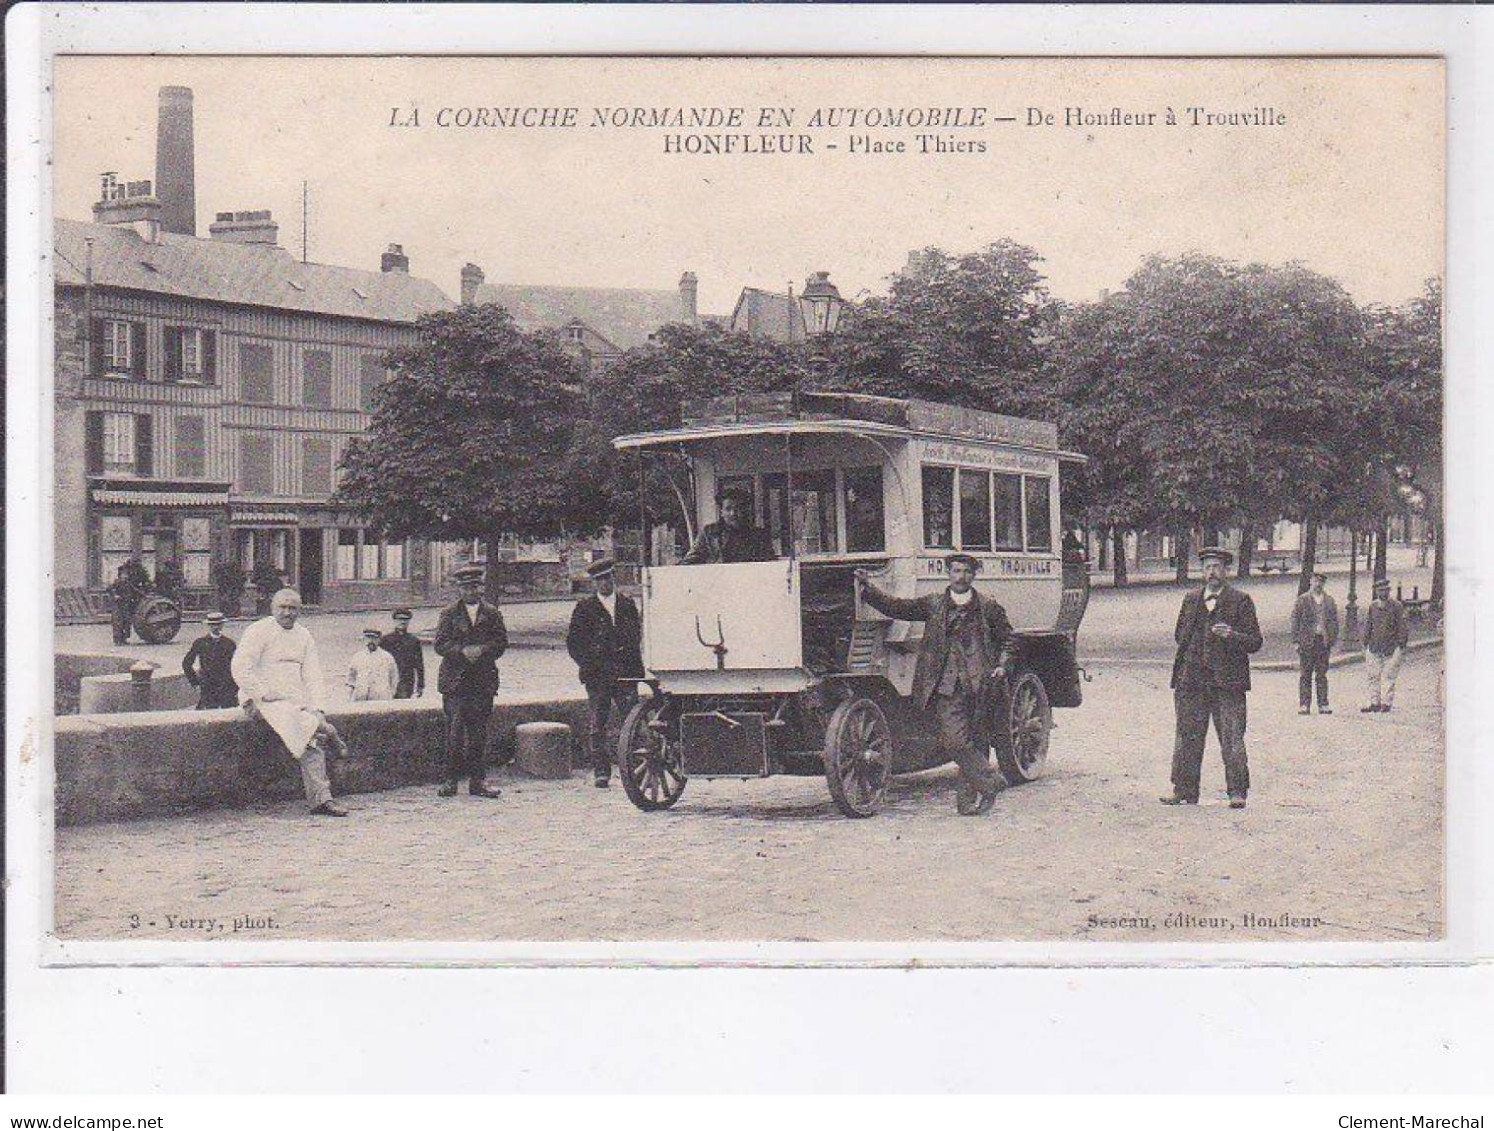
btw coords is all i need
(734, 538)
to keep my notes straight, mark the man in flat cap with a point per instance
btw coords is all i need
(1314, 632)
(963, 661)
(1385, 638)
(409, 656)
(735, 538)
(470, 636)
(372, 674)
(1216, 634)
(604, 639)
(208, 666)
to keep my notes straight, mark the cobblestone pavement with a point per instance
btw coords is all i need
(1343, 832)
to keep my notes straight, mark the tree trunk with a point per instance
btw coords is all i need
(1247, 548)
(1309, 552)
(1435, 530)
(1382, 539)
(1182, 548)
(1118, 552)
(1104, 548)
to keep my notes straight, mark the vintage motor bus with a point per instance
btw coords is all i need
(771, 667)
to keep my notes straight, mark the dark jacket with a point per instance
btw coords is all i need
(1304, 620)
(409, 658)
(1206, 660)
(1385, 627)
(458, 675)
(208, 666)
(720, 543)
(605, 651)
(994, 645)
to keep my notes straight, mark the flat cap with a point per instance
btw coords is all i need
(1215, 554)
(472, 571)
(601, 567)
(959, 556)
(403, 614)
(214, 617)
(372, 633)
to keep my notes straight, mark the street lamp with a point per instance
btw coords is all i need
(821, 304)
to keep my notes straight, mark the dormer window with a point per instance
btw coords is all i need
(575, 333)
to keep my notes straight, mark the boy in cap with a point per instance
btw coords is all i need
(372, 674)
(966, 645)
(604, 639)
(208, 666)
(409, 656)
(470, 636)
(1314, 632)
(1385, 637)
(1217, 632)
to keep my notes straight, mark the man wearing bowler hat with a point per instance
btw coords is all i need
(1216, 634)
(208, 666)
(963, 662)
(604, 639)
(409, 656)
(470, 636)
(735, 538)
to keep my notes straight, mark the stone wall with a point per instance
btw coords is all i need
(161, 763)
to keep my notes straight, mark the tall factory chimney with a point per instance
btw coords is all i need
(175, 176)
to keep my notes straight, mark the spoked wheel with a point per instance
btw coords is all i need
(648, 760)
(858, 757)
(1029, 719)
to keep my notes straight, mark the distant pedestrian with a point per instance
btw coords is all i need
(125, 593)
(208, 666)
(1216, 634)
(470, 636)
(372, 674)
(409, 656)
(1385, 637)
(604, 639)
(1314, 632)
(279, 674)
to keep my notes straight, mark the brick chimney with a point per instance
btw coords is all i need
(395, 260)
(689, 290)
(245, 227)
(472, 278)
(176, 184)
(131, 204)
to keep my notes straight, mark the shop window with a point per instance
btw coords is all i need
(347, 554)
(394, 560)
(368, 563)
(1008, 499)
(197, 551)
(938, 507)
(114, 545)
(975, 509)
(865, 524)
(1039, 513)
(316, 379)
(256, 373)
(190, 443)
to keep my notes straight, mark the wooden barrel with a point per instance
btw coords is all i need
(157, 620)
(543, 750)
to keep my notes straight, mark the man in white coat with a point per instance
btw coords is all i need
(372, 674)
(280, 681)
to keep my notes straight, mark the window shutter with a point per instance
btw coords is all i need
(96, 350)
(172, 339)
(137, 350)
(209, 357)
(93, 442)
(144, 448)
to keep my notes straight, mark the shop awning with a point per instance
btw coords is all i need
(263, 518)
(118, 497)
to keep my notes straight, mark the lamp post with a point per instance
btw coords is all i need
(821, 304)
(1348, 641)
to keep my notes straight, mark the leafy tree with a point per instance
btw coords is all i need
(473, 435)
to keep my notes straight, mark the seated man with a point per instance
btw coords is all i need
(280, 681)
(734, 538)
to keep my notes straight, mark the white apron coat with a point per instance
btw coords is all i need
(280, 670)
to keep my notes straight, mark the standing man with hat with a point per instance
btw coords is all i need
(605, 639)
(1217, 632)
(208, 666)
(735, 538)
(964, 657)
(1385, 636)
(409, 656)
(470, 636)
(372, 674)
(1314, 632)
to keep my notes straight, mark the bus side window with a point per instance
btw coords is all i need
(938, 508)
(865, 532)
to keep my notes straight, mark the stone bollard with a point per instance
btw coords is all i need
(543, 750)
(140, 676)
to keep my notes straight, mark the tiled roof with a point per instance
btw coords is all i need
(625, 317)
(768, 314)
(246, 274)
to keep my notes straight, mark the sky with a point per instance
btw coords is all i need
(1347, 177)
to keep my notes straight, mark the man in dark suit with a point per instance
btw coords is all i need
(1216, 634)
(604, 639)
(208, 666)
(470, 636)
(409, 656)
(963, 661)
(1314, 632)
(734, 538)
